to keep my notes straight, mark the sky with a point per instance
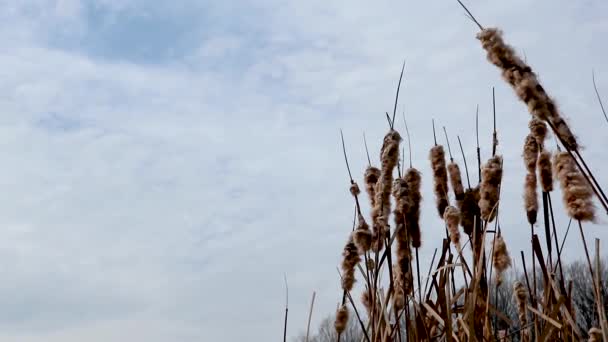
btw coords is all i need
(165, 164)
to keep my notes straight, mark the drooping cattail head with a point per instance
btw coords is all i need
(538, 129)
(501, 258)
(341, 319)
(469, 210)
(452, 220)
(525, 83)
(362, 236)
(577, 193)
(456, 181)
(545, 172)
(412, 212)
(531, 198)
(440, 178)
(595, 335)
(530, 153)
(349, 262)
(520, 296)
(491, 177)
(371, 176)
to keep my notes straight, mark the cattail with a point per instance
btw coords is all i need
(341, 319)
(371, 176)
(362, 236)
(519, 293)
(354, 189)
(595, 335)
(452, 220)
(399, 291)
(544, 171)
(469, 210)
(440, 178)
(531, 198)
(501, 258)
(525, 83)
(389, 155)
(350, 260)
(530, 153)
(412, 212)
(456, 181)
(538, 128)
(577, 194)
(366, 300)
(491, 176)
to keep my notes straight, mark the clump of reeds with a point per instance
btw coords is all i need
(525, 83)
(469, 210)
(349, 262)
(456, 182)
(519, 293)
(545, 171)
(452, 220)
(440, 178)
(531, 197)
(341, 319)
(412, 211)
(501, 259)
(491, 177)
(577, 194)
(371, 176)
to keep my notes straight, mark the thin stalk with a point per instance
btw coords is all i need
(477, 137)
(418, 276)
(448, 142)
(494, 134)
(597, 93)
(470, 15)
(369, 161)
(397, 95)
(312, 303)
(286, 308)
(434, 135)
(409, 143)
(466, 168)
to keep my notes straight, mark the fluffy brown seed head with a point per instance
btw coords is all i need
(577, 194)
(491, 177)
(371, 176)
(469, 210)
(525, 83)
(354, 189)
(538, 128)
(349, 262)
(399, 294)
(413, 180)
(501, 258)
(440, 178)
(452, 219)
(456, 181)
(363, 239)
(341, 319)
(531, 198)
(366, 300)
(530, 153)
(595, 335)
(544, 171)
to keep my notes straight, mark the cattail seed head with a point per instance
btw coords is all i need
(469, 210)
(440, 178)
(452, 220)
(354, 189)
(530, 153)
(577, 194)
(363, 239)
(531, 198)
(491, 177)
(538, 129)
(501, 258)
(350, 260)
(371, 176)
(341, 319)
(525, 83)
(456, 181)
(413, 180)
(545, 172)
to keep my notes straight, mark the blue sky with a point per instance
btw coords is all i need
(165, 163)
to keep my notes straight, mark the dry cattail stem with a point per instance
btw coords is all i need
(491, 177)
(530, 153)
(452, 220)
(341, 319)
(412, 212)
(577, 194)
(525, 83)
(456, 181)
(440, 178)
(349, 262)
(545, 172)
(519, 293)
(371, 176)
(538, 128)
(501, 258)
(531, 198)
(469, 210)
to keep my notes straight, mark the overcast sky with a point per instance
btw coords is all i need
(164, 163)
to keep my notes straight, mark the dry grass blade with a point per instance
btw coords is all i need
(597, 93)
